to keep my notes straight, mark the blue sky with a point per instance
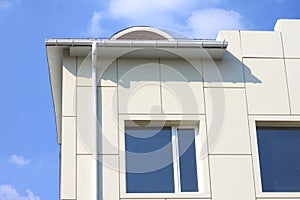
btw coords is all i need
(29, 154)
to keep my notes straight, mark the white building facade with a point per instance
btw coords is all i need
(148, 114)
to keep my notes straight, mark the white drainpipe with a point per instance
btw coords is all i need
(95, 121)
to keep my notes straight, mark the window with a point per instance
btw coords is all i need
(279, 157)
(161, 159)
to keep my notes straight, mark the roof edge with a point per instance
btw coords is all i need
(139, 43)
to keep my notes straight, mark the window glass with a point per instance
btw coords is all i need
(187, 160)
(279, 155)
(149, 167)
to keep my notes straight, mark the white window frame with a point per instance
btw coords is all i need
(176, 163)
(186, 121)
(253, 120)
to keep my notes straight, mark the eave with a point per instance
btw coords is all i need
(187, 49)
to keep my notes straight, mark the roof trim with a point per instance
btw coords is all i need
(139, 43)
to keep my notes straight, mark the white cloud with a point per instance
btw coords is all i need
(18, 160)
(7, 192)
(206, 23)
(211, 2)
(156, 12)
(133, 8)
(5, 5)
(150, 12)
(187, 16)
(94, 28)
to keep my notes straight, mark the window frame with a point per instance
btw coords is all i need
(271, 121)
(186, 121)
(176, 162)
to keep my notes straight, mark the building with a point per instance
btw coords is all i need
(149, 114)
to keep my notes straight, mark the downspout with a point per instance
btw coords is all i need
(95, 121)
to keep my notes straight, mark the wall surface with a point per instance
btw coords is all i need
(258, 77)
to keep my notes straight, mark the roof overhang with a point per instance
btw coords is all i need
(186, 49)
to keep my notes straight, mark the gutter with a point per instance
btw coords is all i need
(139, 43)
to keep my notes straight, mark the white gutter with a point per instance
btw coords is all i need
(139, 43)
(95, 121)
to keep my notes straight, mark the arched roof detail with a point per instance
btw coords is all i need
(143, 33)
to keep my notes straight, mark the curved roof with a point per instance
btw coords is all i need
(146, 33)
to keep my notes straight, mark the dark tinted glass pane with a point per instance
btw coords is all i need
(149, 163)
(279, 154)
(187, 160)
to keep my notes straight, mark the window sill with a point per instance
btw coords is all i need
(278, 194)
(165, 195)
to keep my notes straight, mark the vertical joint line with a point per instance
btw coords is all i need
(248, 121)
(286, 74)
(160, 87)
(242, 59)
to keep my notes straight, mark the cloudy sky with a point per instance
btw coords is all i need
(28, 150)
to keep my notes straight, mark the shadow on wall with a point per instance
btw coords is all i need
(165, 66)
(228, 70)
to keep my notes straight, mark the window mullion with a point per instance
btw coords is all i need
(200, 172)
(176, 166)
